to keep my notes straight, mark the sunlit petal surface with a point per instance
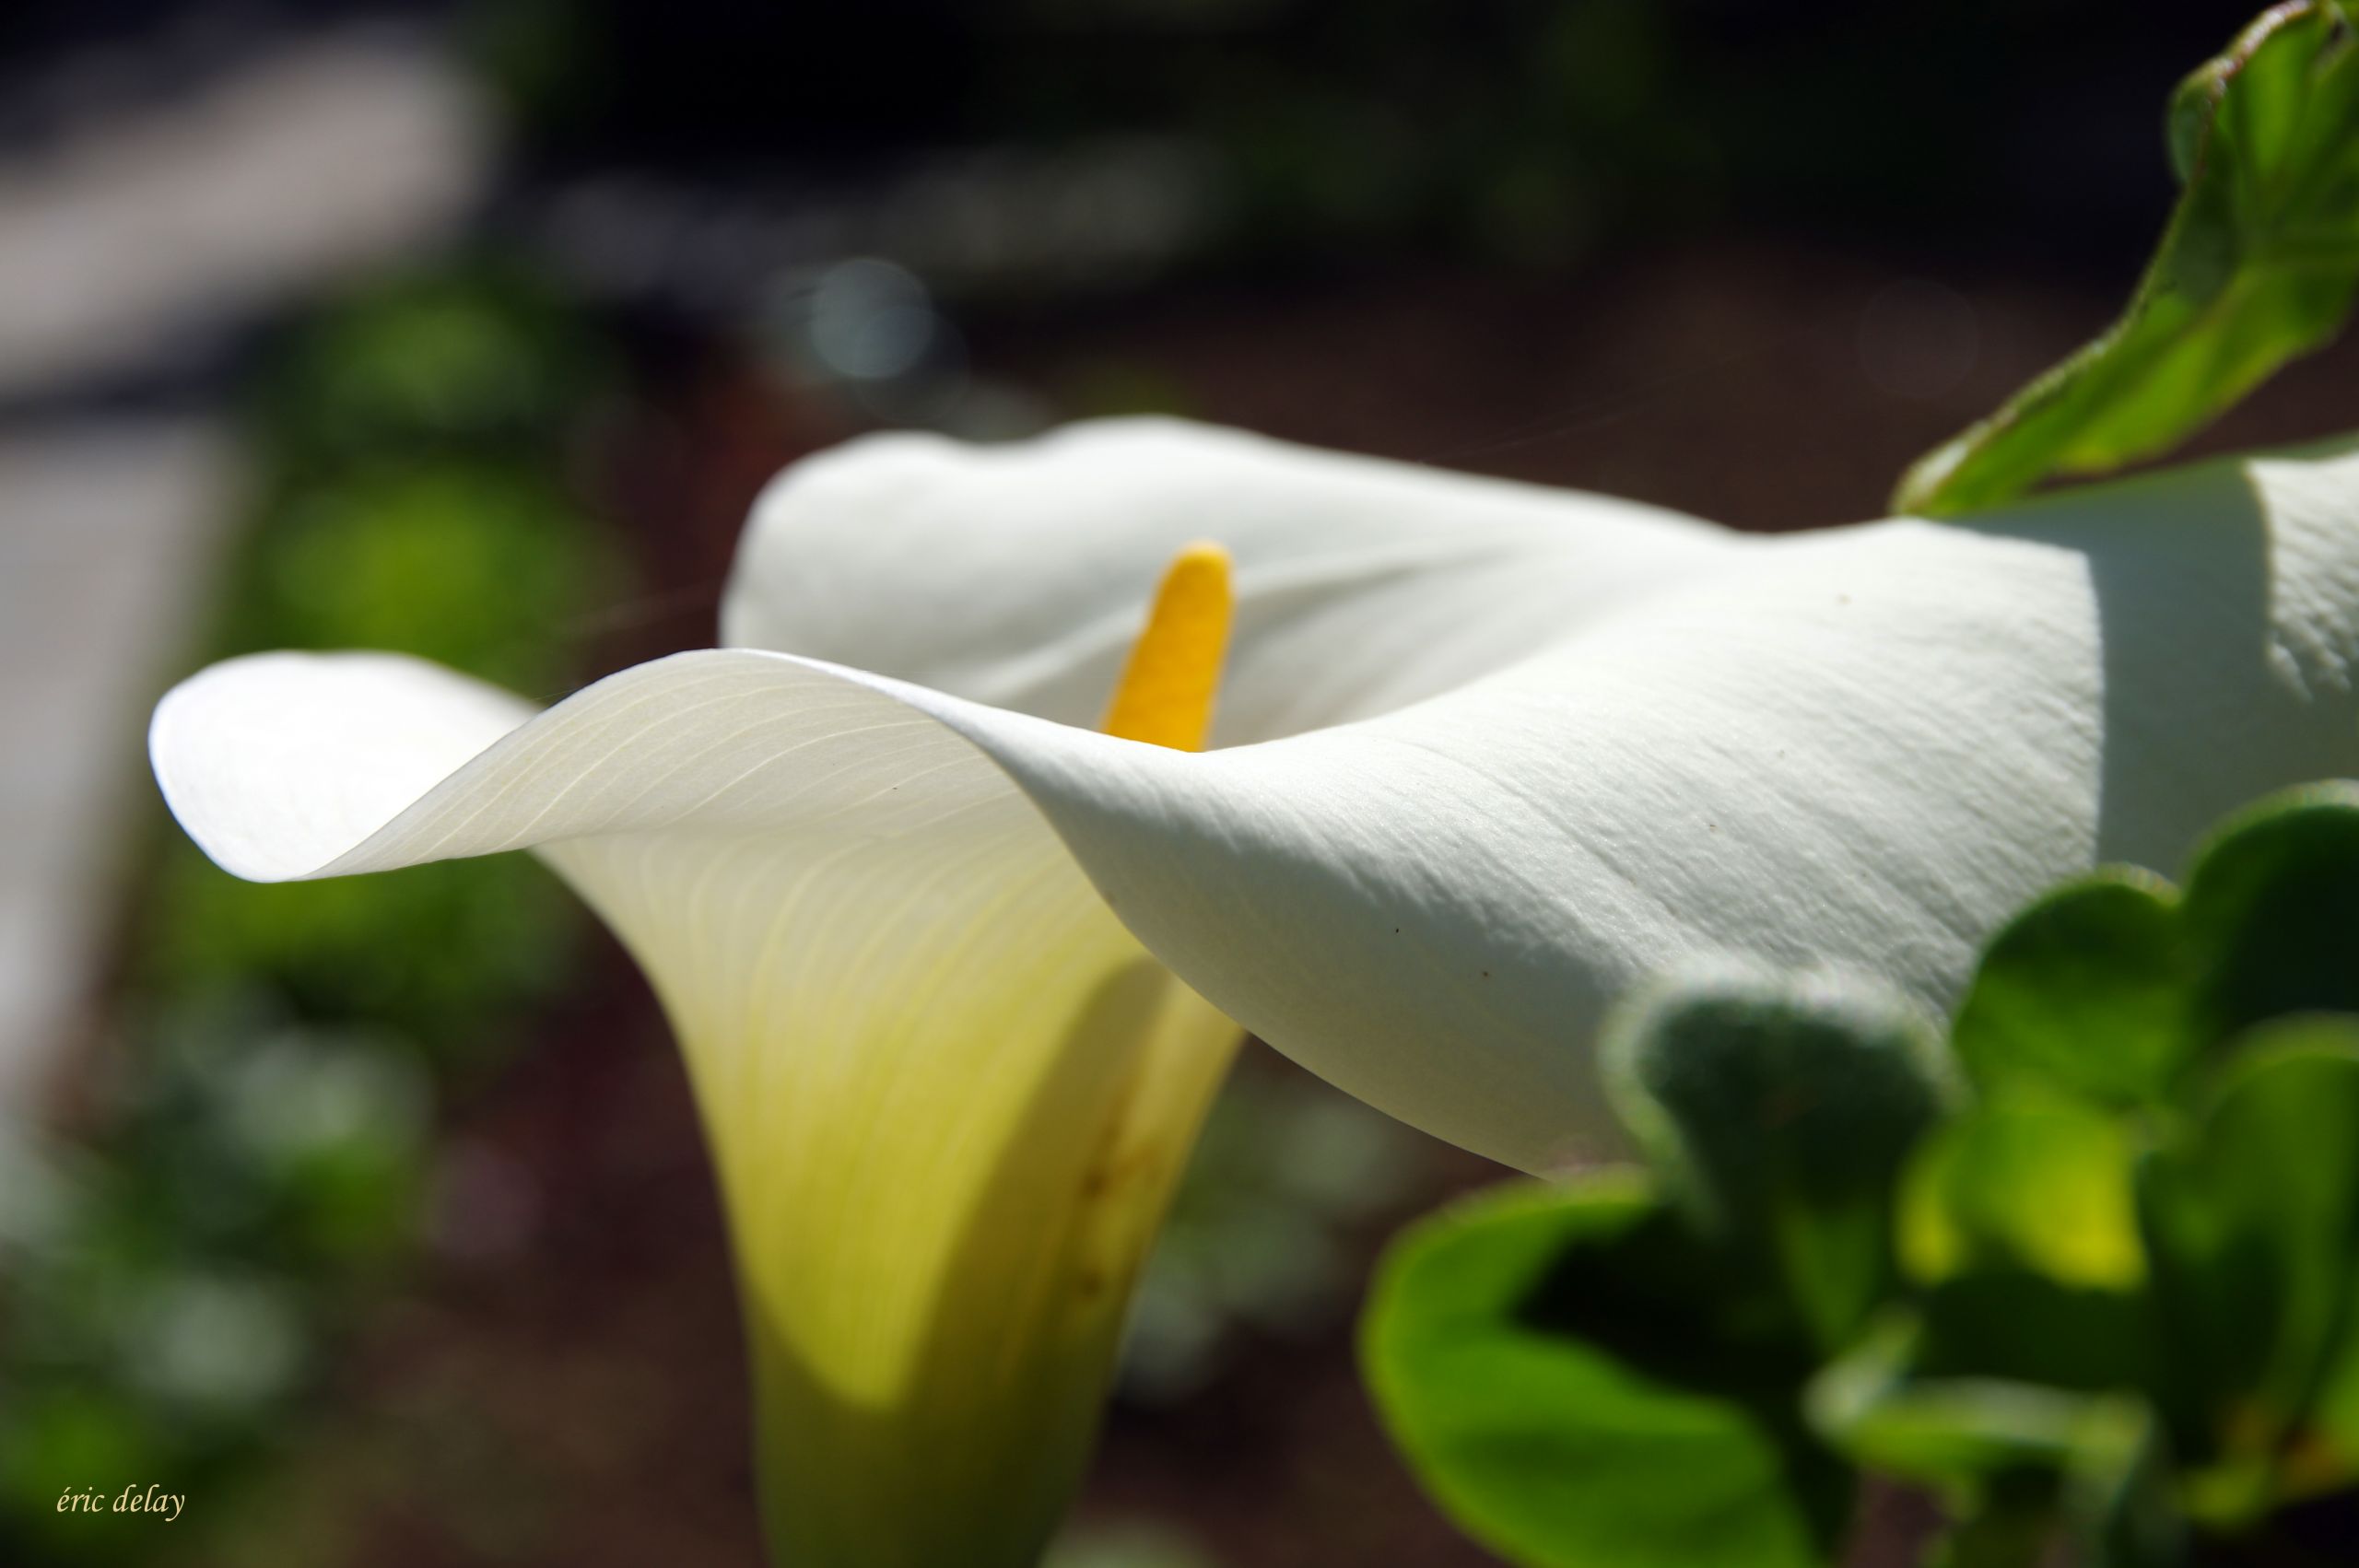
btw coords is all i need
(895, 927)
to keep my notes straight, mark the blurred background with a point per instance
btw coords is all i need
(371, 1217)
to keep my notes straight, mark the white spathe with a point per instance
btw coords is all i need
(947, 1093)
(1865, 744)
(1013, 575)
(1490, 755)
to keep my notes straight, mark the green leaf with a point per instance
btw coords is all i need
(1779, 1108)
(2273, 912)
(2107, 1501)
(1987, 1373)
(1944, 1431)
(1582, 1383)
(2329, 1461)
(2043, 1187)
(2258, 267)
(2083, 992)
(2118, 1494)
(2025, 1462)
(2252, 1232)
(2026, 1327)
(2111, 991)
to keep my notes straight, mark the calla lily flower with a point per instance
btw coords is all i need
(953, 968)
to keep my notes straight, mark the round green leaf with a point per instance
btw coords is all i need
(2252, 1231)
(1576, 1380)
(2273, 911)
(1779, 1108)
(2042, 1187)
(2084, 992)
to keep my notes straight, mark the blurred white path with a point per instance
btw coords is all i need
(107, 535)
(148, 227)
(125, 240)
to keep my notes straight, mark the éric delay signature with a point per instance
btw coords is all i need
(129, 1500)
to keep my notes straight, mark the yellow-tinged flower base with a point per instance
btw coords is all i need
(945, 1130)
(947, 1100)
(929, 1386)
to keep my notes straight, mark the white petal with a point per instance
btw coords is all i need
(1015, 574)
(946, 1094)
(1868, 745)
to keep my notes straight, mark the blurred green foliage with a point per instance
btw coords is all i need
(1608, 1372)
(260, 1142)
(2106, 1304)
(480, 357)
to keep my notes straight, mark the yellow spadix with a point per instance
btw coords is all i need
(1165, 694)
